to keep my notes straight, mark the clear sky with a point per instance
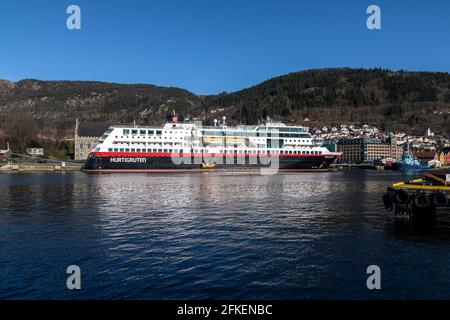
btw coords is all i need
(209, 46)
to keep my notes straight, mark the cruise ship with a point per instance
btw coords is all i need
(190, 146)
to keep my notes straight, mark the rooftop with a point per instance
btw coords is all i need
(92, 129)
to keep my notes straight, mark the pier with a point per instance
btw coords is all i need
(357, 166)
(16, 162)
(38, 167)
(419, 196)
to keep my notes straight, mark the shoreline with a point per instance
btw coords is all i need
(34, 167)
(45, 167)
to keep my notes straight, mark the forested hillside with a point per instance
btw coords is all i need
(410, 101)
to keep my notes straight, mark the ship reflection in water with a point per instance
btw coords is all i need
(212, 235)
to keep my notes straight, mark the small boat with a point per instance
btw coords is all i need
(208, 165)
(4, 151)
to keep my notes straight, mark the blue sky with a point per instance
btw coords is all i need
(209, 46)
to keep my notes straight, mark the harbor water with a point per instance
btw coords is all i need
(215, 236)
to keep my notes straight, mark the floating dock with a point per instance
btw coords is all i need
(420, 196)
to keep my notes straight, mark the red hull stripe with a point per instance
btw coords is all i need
(169, 154)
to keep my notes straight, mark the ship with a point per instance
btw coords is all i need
(190, 146)
(408, 163)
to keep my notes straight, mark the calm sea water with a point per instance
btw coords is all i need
(217, 236)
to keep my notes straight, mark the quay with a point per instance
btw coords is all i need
(419, 196)
(38, 167)
(356, 166)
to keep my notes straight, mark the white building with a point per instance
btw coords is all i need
(35, 152)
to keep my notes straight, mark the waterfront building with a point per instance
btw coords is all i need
(368, 150)
(443, 156)
(423, 154)
(87, 135)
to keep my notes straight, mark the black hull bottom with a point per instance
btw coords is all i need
(166, 164)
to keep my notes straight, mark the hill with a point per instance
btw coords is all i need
(409, 101)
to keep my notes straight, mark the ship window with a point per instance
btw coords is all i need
(138, 150)
(110, 149)
(127, 150)
(165, 150)
(126, 132)
(307, 152)
(134, 132)
(151, 131)
(115, 149)
(121, 149)
(142, 132)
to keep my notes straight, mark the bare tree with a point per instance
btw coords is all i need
(21, 130)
